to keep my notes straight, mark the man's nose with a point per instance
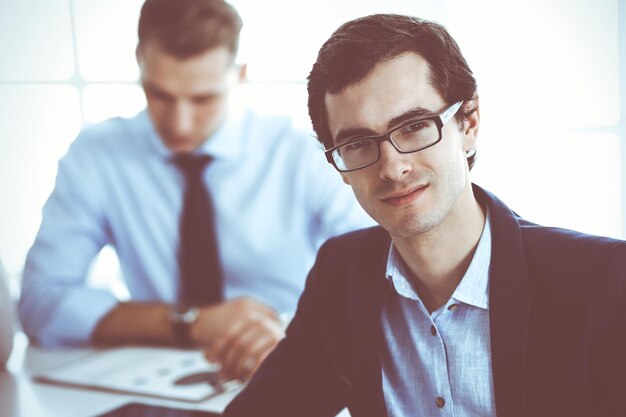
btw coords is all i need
(393, 164)
(182, 119)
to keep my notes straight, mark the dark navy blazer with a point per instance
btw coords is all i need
(557, 306)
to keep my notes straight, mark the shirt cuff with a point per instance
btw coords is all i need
(76, 317)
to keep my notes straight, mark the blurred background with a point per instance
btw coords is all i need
(551, 76)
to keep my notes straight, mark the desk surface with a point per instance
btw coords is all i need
(20, 396)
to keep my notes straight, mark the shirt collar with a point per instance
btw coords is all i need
(474, 286)
(227, 143)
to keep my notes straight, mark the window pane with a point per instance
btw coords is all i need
(106, 33)
(35, 40)
(281, 38)
(38, 123)
(288, 99)
(276, 47)
(101, 102)
(555, 61)
(344, 10)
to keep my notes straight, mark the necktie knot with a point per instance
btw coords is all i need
(192, 165)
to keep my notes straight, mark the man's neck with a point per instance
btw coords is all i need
(438, 259)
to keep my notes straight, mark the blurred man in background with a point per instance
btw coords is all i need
(215, 214)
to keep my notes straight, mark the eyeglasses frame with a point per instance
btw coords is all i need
(440, 120)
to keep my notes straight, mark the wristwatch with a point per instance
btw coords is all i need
(181, 319)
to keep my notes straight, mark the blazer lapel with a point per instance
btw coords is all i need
(367, 308)
(509, 309)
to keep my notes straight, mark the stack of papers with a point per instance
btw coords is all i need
(166, 373)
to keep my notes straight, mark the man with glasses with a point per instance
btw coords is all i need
(454, 306)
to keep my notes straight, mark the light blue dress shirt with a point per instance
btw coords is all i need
(276, 201)
(439, 364)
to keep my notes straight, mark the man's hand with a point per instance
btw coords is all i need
(239, 334)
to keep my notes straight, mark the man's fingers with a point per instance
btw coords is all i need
(220, 319)
(217, 350)
(239, 346)
(237, 350)
(244, 367)
(254, 356)
(244, 331)
(246, 352)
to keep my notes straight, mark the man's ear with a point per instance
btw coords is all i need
(243, 73)
(138, 56)
(471, 123)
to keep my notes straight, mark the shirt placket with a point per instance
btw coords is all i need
(441, 401)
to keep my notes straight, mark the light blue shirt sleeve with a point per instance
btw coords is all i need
(55, 303)
(276, 201)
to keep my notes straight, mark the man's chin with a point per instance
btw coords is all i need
(181, 146)
(410, 226)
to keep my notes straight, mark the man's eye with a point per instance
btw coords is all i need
(157, 95)
(413, 127)
(208, 99)
(355, 146)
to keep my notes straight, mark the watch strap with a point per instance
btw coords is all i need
(181, 320)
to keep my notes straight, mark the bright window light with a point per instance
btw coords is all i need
(106, 35)
(36, 41)
(103, 101)
(550, 142)
(38, 123)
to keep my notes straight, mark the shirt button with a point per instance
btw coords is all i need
(452, 307)
(433, 331)
(440, 402)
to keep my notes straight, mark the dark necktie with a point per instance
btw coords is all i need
(198, 259)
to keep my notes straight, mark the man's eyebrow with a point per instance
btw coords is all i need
(155, 88)
(414, 113)
(197, 96)
(345, 135)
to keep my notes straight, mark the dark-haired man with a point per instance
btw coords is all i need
(454, 306)
(147, 185)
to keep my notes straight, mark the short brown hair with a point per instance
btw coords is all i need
(185, 28)
(353, 50)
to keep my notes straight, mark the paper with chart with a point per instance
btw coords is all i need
(144, 371)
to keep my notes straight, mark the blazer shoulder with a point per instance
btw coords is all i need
(575, 262)
(352, 256)
(360, 236)
(554, 240)
(356, 244)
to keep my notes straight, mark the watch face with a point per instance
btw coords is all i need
(184, 315)
(190, 315)
(181, 320)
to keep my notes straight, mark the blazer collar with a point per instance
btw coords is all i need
(510, 304)
(367, 306)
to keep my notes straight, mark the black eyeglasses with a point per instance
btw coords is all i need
(412, 136)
